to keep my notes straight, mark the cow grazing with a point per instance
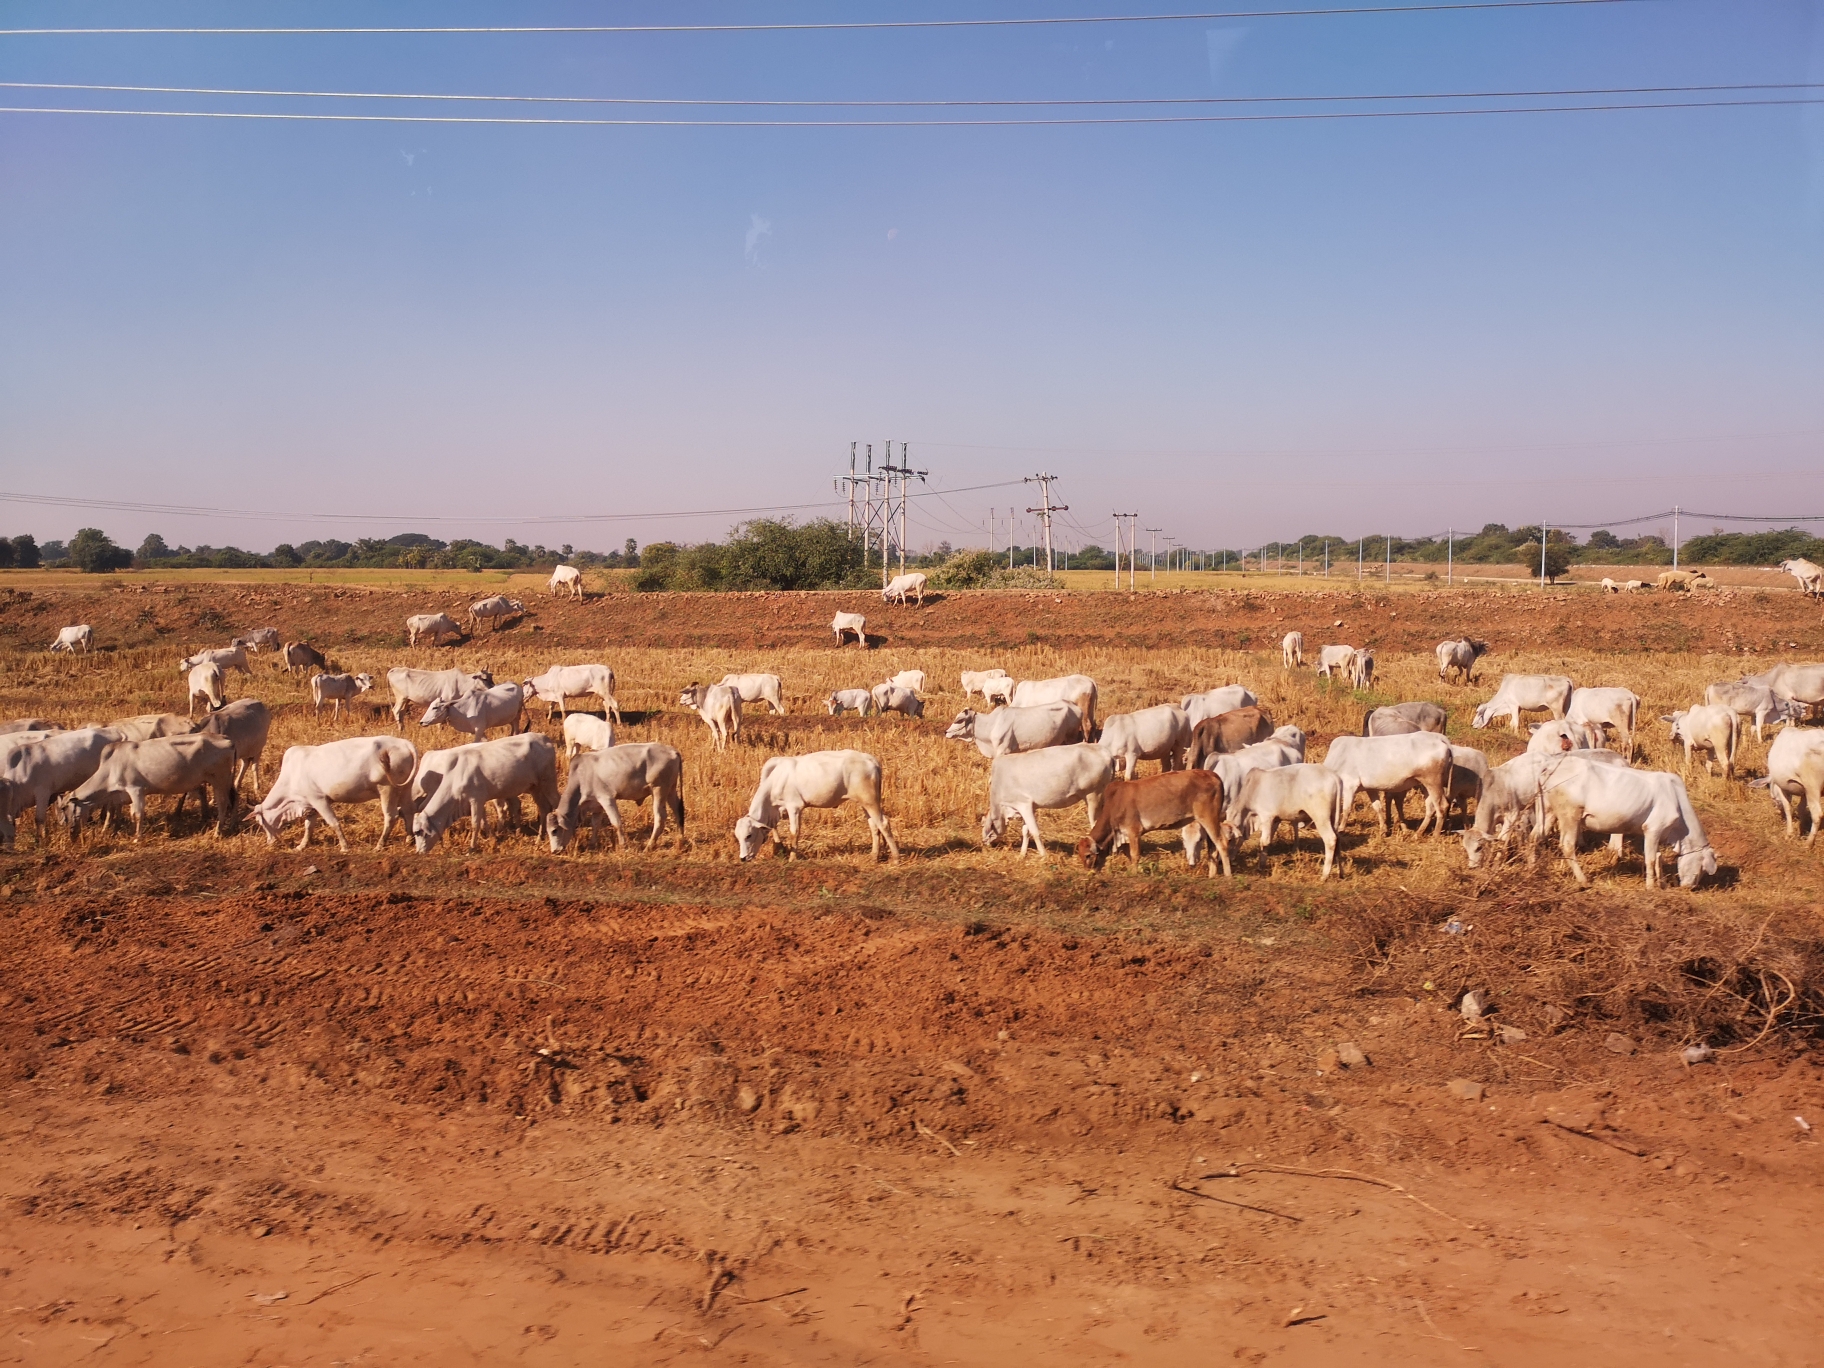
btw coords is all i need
(484, 772)
(1801, 684)
(1334, 659)
(80, 637)
(850, 700)
(414, 688)
(1468, 778)
(1609, 586)
(1549, 738)
(1754, 701)
(227, 657)
(565, 579)
(759, 688)
(301, 655)
(34, 774)
(245, 722)
(1277, 751)
(1226, 733)
(1525, 693)
(823, 779)
(436, 626)
(1215, 702)
(1292, 650)
(1795, 770)
(258, 637)
(1384, 767)
(891, 698)
(494, 610)
(148, 725)
(1616, 709)
(1131, 807)
(601, 781)
(1635, 586)
(557, 685)
(1054, 778)
(1513, 798)
(586, 732)
(1288, 793)
(1077, 690)
(1711, 728)
(480, 710)
(1613, 799)
(337, 689)
(1010, 730)
(1459, 657)
(1684, 581)
(358, 769)
(901, 585)
(1361, 668)
(129, 771)
(976, 681)
(910, 679)
(720, 708)
(1159, 733)
(206, 683)
(844, 623)
(1809, 574)
(999, 690)
(1399, 719)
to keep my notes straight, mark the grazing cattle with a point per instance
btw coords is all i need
(206, 683)
(557, 685)
(565, 578)
(1215, 702)
(1131, 807)
(1361, 668)
(1399, 719)
(1755, 701)
(129, 771)
(301, 655)
(720, 708)
(1292, 650)
(823, 779)
(436, 626)
(148, 725)
(1331, 659)
(998, 690)
(1609, 586)
(1799, 684)
(73, 638)
(1513, 797)
(1809, 575)
(1226, 733)
(1635, 586)
(475, 713)
(1468, 778)
(488, 772)
(414, 687)
(759, 688)
(901, 585)
(976, 681)
(1684, 581)
(1385, 767)
(1287, 794)
(358, 769)
(1054, 778)
(850, 700)
(1459, 657)
(337, 689)
(495, 609)
(1276, 752)
(891, 698)
(602, 780)
(1615, 800)
(1077, 690)
(586, 732)
(27, 724)
(1711, 728)
(850, 622)
(910, 679)
(1616, 709)
(1158, 733)
(246, 722)
(33, 774)
(1549, 738)
(258, 637)
(1522, 693)
(1795, 769)
(227, 657)
(1011, 730)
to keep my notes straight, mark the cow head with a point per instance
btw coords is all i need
(994, 825)
(963, 729)
(363, 682)
(692, 697)
(1092, 855)
(1694, 864)
(750, 836)
(557, 833)
(437, 712)
(1484, 715)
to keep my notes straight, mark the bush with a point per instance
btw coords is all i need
(1022, 577)
(94, 553)
(1557, 559)
(25, 551)
(967, 570)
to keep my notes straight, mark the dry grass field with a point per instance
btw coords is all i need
(837, 1111)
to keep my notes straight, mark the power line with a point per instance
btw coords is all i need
(849, 25)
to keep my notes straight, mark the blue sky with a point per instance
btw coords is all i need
(1241, 330)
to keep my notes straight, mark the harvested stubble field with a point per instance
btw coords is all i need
(463, 1107)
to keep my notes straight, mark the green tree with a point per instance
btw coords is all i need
(25, 551)
(94, 552)
(152, 549)
(1557, 559)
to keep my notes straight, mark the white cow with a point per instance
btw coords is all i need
(1609, 586)
(566, 578)
(909, 679)
(1801, 684)
(1795, 770)
(1617, 709)
(557, 685)
(33, 774)
(1292, 650)
(1077, 690)
(1399, 719)
(228, 657)
(850, 700)
(1755, 701)
(1513, 798)
(258, 637)
(601, 781)
(1809, 575)
(999, 689)
(976, 681)
(720, 708)
(1201, 707)
(823, 779)
(1460, 657)
(1332, 659)
(1564, 735)
(1386, 766)
(1056, 777)
(759, 688)
(1468, 777)
(246, 722)
(72, 638)
(1234, 766)
(1286, 793)
(478, 711)
(1361, 669)
(1521, 693)
(205, 683)
(1711, 728)
(901, 585)
(850, 622)
(436, 626)
(586, 732)
(891, 698)
(358, 769)
(1008, 731)
(129, 771)
(10, 730)
(1619, 801)
(487, 772)
(412, 687)
(1159, 733)
(495, 609)
(336, 690)
(148, 725)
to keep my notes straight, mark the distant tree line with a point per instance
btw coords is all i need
(93, 551)
(1496, 544)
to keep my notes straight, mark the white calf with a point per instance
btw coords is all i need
(823, 779)
(586, 732)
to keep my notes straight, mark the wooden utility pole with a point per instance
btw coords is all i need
(1045, 510)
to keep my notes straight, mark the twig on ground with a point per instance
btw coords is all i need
(1353, 1177)
(1177, 1186)
(337, 1287)
(755, 1301)
(1621, 1145)
(925, 1130)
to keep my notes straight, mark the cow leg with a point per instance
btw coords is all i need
(1328, 832)
(1649, 840)
(1029, 822)
(1815, 802)
(1571, 831)
(1785, 805)
(139, 814)
(1132, 834)
(329, 820)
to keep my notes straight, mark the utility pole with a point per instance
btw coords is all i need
(1674, 537)
(1045, 510)
(903, 473)
(1153, 559)
(1450, 557)
(1132, 520)
(1542, 534)
(1326, 558)
(1360, 542)
(1389, 541)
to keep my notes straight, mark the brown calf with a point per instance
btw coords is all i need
(1226, 733)
(1132, 806)
(299, 655)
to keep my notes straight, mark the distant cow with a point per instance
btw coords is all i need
(910, 679)
(1617, 709)
(759, 688)
(258, 637)
(227, 657)
(1010, 730)
(436, 626)
(901, 585)
(246, 721)
(1711, 728)
(566, 578)
(495, 609)
(720, 708)
(1332, 659)
(1227, 733)
(337, 689)
(81, 637)
(850, 700)
(976, 681)
(891, 698)
(850, 622)
(823, 779)
(1399, 719)
(1809, 575)
(586, 732)
(1459, 657)
(557, 685)
(1684, 580)
(1361, 669)
(301, 655)
(1078, 690)
(476, 712)
(205, 682)
(1132, 806)
(601, 781)
(417, 687)
(1751, 700)
(1158, 733)
(1292, 650)
(358, 769)
(1521, 693)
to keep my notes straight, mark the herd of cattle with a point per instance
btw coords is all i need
(1228, 771)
